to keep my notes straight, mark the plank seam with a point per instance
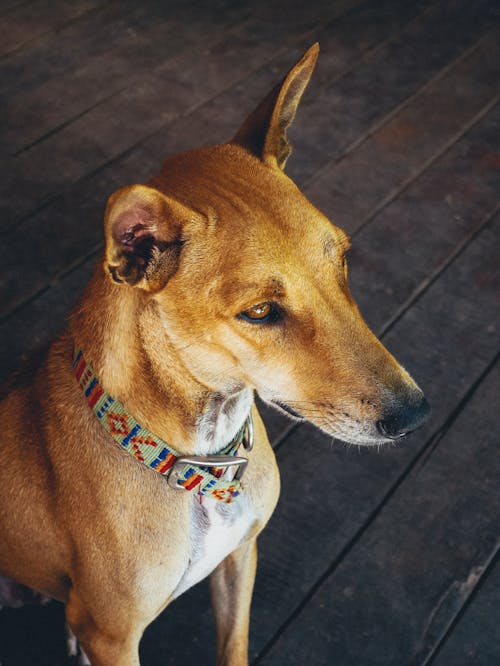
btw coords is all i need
(63, 125)
(448, 145)
(365, 55)
(58, 277)
(232, 25)
(54, 29)
(434, 275)
(11, 10)
(442, 640)
(397, 109)
(371, 51)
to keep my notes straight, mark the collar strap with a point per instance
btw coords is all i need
(201, 473)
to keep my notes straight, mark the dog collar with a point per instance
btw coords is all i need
(201, 473)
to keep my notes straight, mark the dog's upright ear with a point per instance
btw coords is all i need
(264, 132)
(143, 230)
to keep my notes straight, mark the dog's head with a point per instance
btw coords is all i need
(249, 281)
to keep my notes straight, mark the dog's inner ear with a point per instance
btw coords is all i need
(264, 132)
(143, 237)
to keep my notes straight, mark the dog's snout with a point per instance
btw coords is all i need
(404, 419)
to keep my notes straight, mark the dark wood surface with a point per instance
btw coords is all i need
(372, 558)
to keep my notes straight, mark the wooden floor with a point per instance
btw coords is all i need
(372, 558)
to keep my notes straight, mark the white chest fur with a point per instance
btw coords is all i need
(216, 530)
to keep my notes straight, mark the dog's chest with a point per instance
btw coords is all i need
(216, 530)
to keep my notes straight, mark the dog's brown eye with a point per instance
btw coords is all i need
(258, 312)
(262, 313)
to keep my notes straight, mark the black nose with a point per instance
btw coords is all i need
(404, 419)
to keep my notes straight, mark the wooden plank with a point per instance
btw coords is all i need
(34, 326)
(74, 77)
(451, 197)
(10, 5)
(148, 37)
(405, 580)
(354, 189)
(358, 103)
(476, 639)
(123, 24)
(157, 98)
(114, 25)
(30, 21)
(345, 43)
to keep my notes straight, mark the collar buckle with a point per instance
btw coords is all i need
(205, 461)
(248, 434)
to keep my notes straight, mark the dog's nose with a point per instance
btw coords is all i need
(404, 420)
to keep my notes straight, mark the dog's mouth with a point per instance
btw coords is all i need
(289, 411)
(362, 438)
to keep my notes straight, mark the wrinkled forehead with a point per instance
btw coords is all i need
(247, 205)
(256, 234)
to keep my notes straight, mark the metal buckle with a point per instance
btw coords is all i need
(205, 461)
(248, 436)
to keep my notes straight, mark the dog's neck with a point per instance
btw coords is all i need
(147, 374)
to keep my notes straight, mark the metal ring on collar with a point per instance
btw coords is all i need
(205, 461)
(249, 433)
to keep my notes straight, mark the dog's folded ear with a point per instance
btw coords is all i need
(264, 132)
(143, 230)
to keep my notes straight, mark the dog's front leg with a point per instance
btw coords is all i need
(106, 640)
(231, 586)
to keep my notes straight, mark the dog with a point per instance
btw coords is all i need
(134, 460)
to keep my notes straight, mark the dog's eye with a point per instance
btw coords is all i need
(260, 313)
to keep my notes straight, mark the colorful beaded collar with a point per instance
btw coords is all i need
(203, 474)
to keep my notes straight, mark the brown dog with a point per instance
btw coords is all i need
(219, 279)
